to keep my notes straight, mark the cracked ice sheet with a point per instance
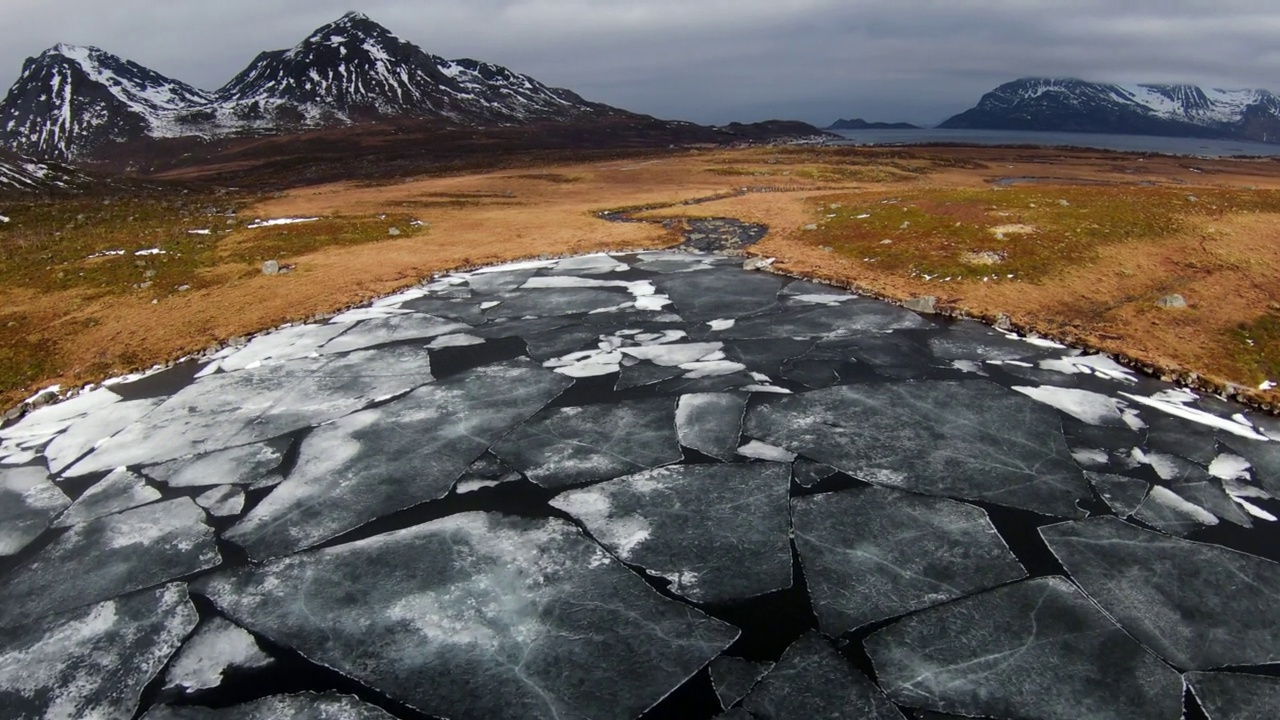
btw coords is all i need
(242, 465)
(728, 293)
(970, 439)
(568, 446)
(86, 433)
(376, 462)
(28, 501)
(303, 706)
(42, 424)
(93, 662)
(553, 303)
(598, 264)
(659, 520)
(109, 557)
(812, 680)
(1038, 649)
(1236, 696)
(844, 320)
(711, 423)
(904, 552)
(289, 343)
(480, 615)
(397, 328)
(216, 648)
(121, 490)
(232, 409)
(1197, 606)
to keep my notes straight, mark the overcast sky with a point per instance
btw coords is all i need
(711, 61)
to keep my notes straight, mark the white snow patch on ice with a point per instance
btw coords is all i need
(1089, 407)
(763, 451)
(1197, 416)
(1230, 467)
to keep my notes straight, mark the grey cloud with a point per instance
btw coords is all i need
(713, 60)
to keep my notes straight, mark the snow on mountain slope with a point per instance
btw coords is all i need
(26, 175)
(70, 100)
(1148, 109)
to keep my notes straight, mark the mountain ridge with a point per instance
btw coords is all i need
(71, 100)
(1072, 105)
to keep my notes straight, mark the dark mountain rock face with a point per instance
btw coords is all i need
(71, 100)
(860, 124)
(1168, 110)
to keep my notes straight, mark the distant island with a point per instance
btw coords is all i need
(860, 124)
(1068, 105)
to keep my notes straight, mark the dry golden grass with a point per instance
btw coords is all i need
(1090, 271)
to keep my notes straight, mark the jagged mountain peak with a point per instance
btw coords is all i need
(72, 99)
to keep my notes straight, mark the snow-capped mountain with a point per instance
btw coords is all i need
(1079, 106)
(71, 100)
(355, 67)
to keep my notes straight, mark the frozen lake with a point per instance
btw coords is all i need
(640, 486)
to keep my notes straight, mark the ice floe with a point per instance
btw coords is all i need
(904, 552)
(480, 615)
(94, 662)
(656, 520)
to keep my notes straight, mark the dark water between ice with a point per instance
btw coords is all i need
(1124, 143)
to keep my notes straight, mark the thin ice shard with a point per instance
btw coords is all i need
(1038, 649)
(243, 465)
(1122, 494)
(1155, 587)
(872, 553)
(93, 662)
(28, 501)
(233, 409)
(733, 677)
(811, 681)
(659, 520)
(109, 557)
(85, 434)
(216, 648)
(1236, 696)
(379, 461)
(711, 423)
(480, 615)
(121, 490)
(970, 439)
(396, 328)
(303, 706)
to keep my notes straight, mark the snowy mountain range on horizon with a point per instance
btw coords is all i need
(70, 100)
(1070, 105)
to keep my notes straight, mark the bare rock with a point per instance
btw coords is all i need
(1172, 302)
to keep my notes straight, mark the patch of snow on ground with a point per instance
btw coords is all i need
(278, 221)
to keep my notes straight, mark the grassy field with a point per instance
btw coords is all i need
(1076, 245)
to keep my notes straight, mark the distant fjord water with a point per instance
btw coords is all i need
(1198, 147)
